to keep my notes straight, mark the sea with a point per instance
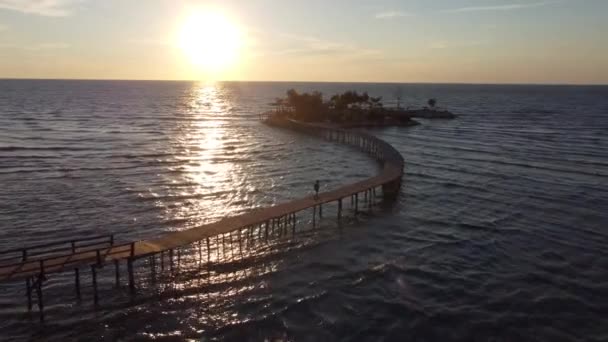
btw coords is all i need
(499, 233)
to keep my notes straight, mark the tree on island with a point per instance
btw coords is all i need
(432, 103)
(348, 99)
(305, 106)
(349, 107)
(398, 95)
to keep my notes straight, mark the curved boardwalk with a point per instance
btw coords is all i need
(33, 264)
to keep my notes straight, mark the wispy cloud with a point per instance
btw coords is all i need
(266, 43)
(392, 14)
(311, 46)
(448, 45)
(47, 46)
(50, 8)
(36, 47)
(503, 7)
(149, 41)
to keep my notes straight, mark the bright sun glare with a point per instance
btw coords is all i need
(210, 40)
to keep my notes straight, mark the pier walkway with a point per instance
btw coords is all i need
(34, 264)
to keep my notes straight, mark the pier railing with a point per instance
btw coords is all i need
(35, 263)
(58, 259)
(56, 248)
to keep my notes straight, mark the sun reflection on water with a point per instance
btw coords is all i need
(207, 166)
(212, 175)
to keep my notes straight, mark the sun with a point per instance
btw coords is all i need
(210, 40)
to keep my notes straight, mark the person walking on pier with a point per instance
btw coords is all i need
(317, 189)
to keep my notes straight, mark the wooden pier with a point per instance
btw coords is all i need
(34, 264)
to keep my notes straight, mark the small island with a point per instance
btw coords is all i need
(348, 110)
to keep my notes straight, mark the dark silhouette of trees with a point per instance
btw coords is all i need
(348, 98)
(305, 106)
(347, 107)
(432, 103)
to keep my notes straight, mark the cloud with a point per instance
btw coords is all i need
(392, 14)
(447, 45)
(47, 46)
(504, 7)
(50, 8)
(149, 41)
(312, 46)
(36, 47)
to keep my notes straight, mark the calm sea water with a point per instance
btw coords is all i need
(500, 231)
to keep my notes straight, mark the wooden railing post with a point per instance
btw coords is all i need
(39, 290)
(41, 263)
(98, 256)
(130, 269)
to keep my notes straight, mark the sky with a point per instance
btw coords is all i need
(438, 41)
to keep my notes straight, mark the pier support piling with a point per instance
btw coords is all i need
(94, 280)
(240, 243)
(131, 276)
(153, 268)
(28, 289)
(162, 261)
(40, 299)
(117, 273)
(77, 283)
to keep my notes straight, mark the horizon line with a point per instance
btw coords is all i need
(298, 81)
